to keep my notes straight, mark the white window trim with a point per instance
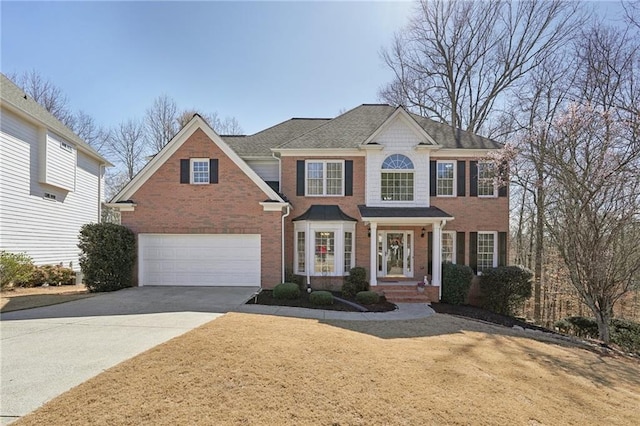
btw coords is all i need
(495, 186)
(191, 171)
(495, 247)
(310, 228)
(454, 188)
(454, 248)
(324, 178)
(412, 171)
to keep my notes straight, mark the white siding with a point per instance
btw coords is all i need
(60, 163)
(46, 230)
(266, 169)
(398, 138)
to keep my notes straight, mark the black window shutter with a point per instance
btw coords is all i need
(502, 249)
(300, 178)
(348, 177)
(460, 248)
(432, 178)
(430, 253)
(184, 171)
(461, 179)
(502, 190)
(213, 170)
(473, 178)
(473, 251)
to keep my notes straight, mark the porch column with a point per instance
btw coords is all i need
(436, 276)
(373, 261)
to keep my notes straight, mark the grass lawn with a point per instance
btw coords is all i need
(25, 298)
(251, 369)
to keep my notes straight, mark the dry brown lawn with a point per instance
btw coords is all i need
(250, 369)
(25, 298)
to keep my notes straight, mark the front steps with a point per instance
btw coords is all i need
(406, 293)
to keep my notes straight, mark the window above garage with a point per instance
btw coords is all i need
(199, 171)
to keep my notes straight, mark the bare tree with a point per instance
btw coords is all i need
(85, 126)
(594, 165)
(127, 145)
(161, 121)
(226, 126)
(456, 60)
(45, 93)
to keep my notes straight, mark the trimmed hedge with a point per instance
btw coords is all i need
(107, 257)
(456, 281)
(505, 288)
(321, 298)
(15, 268)
(355, 282)
(623, 333)
(367, 297)
(287, 291)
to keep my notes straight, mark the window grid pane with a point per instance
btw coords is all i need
(334, 178)
(447, 247)
(485, 179)
(348, 250)
(485, 251)
(397, 186)
(324, 252)
(200, 171)
(315, 178)
(301, 252)
(445, 179)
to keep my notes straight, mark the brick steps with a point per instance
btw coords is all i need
(407, 293)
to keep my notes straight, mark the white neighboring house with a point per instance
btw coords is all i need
(51, 181)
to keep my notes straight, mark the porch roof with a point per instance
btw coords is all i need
(331, 213)
(428, 214)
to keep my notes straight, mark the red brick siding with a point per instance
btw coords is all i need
(229, 207)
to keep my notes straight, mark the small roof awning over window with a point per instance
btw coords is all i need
(418, 213)
(325, 213)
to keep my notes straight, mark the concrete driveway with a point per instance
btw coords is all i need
(47, 351)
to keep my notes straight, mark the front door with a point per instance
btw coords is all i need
(395, 254)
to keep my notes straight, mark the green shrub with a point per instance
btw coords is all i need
(367, 297)
(321, 298)
(52, 275)
(290, 277)
(626, 334)
(15, 268)
(505, 288)
(355, 282)
(108, 253)
(287, 291)
(456, 281)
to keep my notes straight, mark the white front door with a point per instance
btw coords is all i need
(395, 254)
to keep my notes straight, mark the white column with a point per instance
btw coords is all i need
(436, 276)
(373, 261)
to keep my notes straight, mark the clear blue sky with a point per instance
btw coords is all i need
(261, 62)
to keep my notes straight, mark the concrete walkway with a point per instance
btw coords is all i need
(405, 311)
(47, 351)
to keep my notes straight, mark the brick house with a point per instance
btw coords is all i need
(377, 187)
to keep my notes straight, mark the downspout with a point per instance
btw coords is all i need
(282, 245)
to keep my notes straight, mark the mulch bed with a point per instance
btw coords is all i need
(266, 298)
(474, 312)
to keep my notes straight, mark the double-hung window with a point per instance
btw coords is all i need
(487, 251)
(396, 178)
(486, 181)
(445, 178)
(325, 178)
(199, 170)
(449, 246)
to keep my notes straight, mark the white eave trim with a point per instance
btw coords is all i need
(196, 123)
(319, 152)
(123, 207)
(409, 221)
(462, 153)
(273, 206)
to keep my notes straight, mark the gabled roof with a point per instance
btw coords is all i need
(169, 149)
(355, 127)
(15, 98)
(260, 144)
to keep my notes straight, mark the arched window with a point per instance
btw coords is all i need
(396, 178)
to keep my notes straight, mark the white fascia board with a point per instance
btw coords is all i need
(461, 153)
(123, 207)
(400, 112)
(196, 123)
(371, 147)
(317, 152)
(408, 221)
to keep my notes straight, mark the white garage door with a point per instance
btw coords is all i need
(199, 260)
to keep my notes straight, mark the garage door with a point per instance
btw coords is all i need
(199, 260)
